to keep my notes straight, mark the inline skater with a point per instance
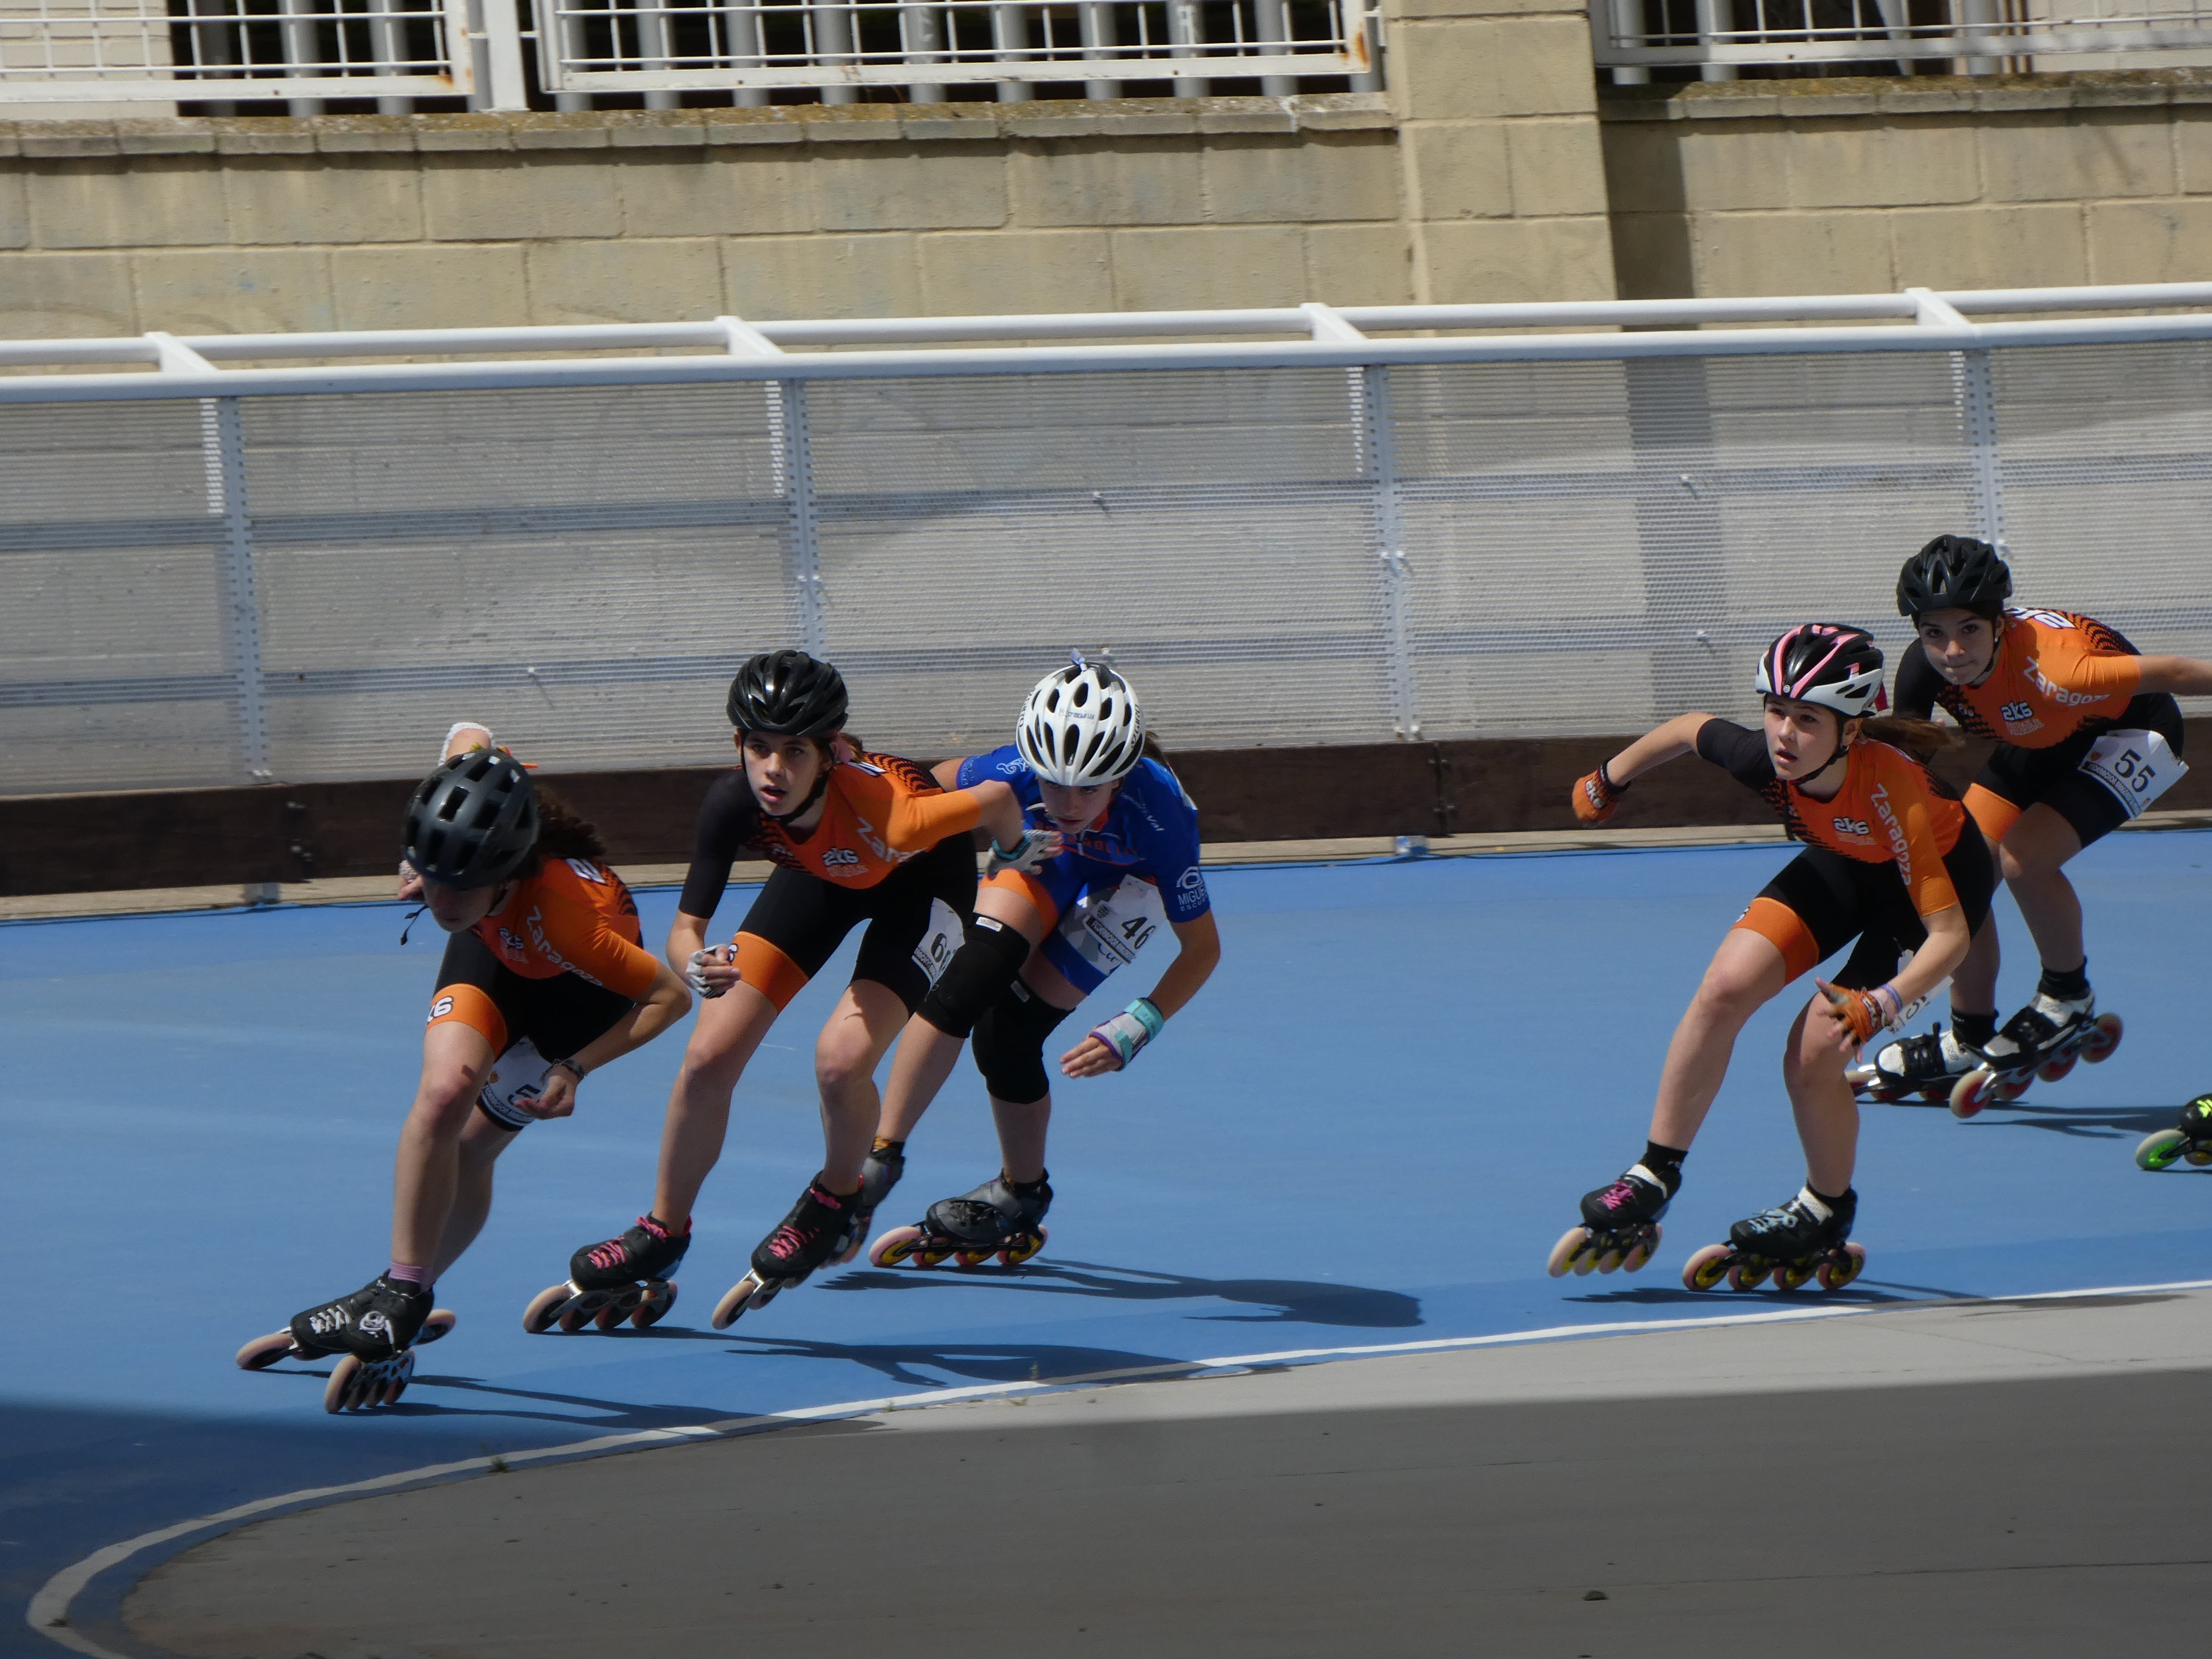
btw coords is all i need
(1889, 863)
(2088, 735)
(1084, 768)
(2191, 1138)
(855, 837)
(544, 982)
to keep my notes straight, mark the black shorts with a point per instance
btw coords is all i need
(556, 1016)
(2053, 777)
(915, 916)
(1840, 899)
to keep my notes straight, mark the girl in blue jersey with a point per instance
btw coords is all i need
(1082, 766)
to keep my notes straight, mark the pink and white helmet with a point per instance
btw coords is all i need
(1081, 725)
(1832, 664)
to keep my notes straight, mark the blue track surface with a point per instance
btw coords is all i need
(1368, 1129)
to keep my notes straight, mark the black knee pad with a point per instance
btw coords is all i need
(987, 962)
(1009, 1046)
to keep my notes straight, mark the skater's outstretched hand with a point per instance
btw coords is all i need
(410, 883)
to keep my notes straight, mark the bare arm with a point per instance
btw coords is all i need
(947, 773)
(1931, 964)
(1198, 954)
(2183, 677)
(1671, 741)
(663, 1003)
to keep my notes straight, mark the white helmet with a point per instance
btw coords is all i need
(1081, 725)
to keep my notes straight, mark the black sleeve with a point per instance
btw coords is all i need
(1738, 752)
(729, 822)
(1917, 683)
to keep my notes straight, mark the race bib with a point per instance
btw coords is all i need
(2137, 766)
(518, 1076)
(1108, 927)
(940, 940)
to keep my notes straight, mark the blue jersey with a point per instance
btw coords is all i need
(1149, 834)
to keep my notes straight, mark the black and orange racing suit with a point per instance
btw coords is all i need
(2057, 683)
(555, 966)
(1889, 851)
(892, 849)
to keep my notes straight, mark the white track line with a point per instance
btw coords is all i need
(48, 1613)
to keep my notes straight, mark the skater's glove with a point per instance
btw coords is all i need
(694, 971)
(1131, 1030)
(1864, 1013)
(1027, 854)
(1595, 796)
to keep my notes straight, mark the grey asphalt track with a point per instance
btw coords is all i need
(2011, 1478)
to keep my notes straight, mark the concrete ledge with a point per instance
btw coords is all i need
(689, 129)
(1850, 98)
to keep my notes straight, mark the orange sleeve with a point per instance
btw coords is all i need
(588, 938)
(912, 818)
(1930, 883)
(2082, 667)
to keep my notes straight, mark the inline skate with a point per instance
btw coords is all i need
(626, 1278)
(1929, 1066)
(2043, 1040)
(374, 1333)
(1620, 1223)
(2192, 1141)
(816, 1233)
(1802, 1240)
(878, 1176)
(1001, 1217)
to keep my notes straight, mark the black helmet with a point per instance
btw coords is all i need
(473, 821)
(1954, 572)
(789, 694)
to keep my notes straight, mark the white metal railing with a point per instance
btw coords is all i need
(839, 45)
(1313, 334)
(55, 54)
(234, 52)
(1468, 528)
(1718, 37)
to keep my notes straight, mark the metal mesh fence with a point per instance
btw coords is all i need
(310, 588)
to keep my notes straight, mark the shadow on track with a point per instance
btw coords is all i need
(2101, 1123)
(613, 1416)
(906, 1363)
(1294, 1301)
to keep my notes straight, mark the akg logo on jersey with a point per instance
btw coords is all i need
(839, 860)
(2017, 713)
(512, 940)
(1852, 826)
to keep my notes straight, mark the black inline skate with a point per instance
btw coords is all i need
(2043, 1040)
(1001, 1217)
(2192, 1141)
(1802, 1239)
(1929, 1066)
(1620, 1223)
(885, 1165)
(374, 1332)
(814, 1234)
(626, 1278)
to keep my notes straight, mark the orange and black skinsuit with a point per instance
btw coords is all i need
(891, 849)
(558, 964)
(1889, 851)
(2057, 683)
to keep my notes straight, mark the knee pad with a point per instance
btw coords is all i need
(1009, 1046)
(986, 964)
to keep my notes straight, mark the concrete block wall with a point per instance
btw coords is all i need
(1864, 186)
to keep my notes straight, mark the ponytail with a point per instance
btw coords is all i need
(1922, 740)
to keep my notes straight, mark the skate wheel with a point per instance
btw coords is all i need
(608, 1316)
(1640, 1253)
(2104, 1037)
(1792, 1275)
(1565, 1252)
(970, 1258)
(1746, 1276)
(1608, 1261)
(2052, 1070)
(2012, 1088)
(739, 1297)
(1972, 1092)
(931, 1255)
(1014, 1256)
(572, 1319)
(2198, 1158)
(1839, 1269)
(659, 1299)
(440, 1323)
(1936, 1094)
(893, 1249)
(342, 1392)
(538, 1318)
(2153, 1153)
(1586, 1263)
(265, 1350)
(1705, 1270)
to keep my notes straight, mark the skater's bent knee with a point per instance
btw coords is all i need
(980, 971)
(1009, 1045)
